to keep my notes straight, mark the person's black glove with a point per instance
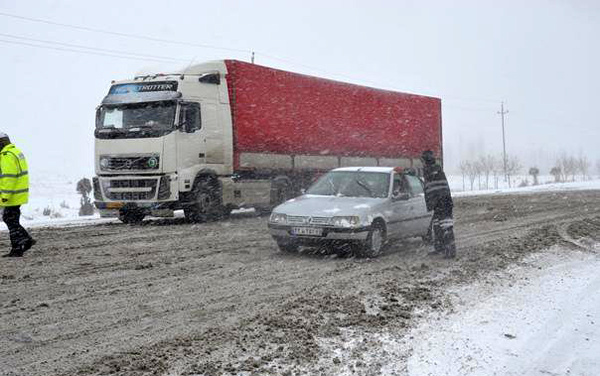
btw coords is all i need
(4, 200)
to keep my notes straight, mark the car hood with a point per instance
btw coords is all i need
(329, 206)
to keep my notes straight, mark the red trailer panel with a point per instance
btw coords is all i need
(280, 112)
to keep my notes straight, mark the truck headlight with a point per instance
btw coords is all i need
(104, 163)
(346, 221)
(278, 218)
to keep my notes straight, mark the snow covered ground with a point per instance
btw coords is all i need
(55, 202)
(542, 318)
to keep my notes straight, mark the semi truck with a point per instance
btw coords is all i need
(227, 134)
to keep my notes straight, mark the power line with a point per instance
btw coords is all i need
(269, 56)
(92, 48)
(120, 34)
(82, 52)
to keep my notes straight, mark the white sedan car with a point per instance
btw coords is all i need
(368, 206)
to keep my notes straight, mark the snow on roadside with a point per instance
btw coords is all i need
(53, 201)
(549, 187)
(542, 318)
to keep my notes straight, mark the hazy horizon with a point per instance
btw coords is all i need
(540, 58)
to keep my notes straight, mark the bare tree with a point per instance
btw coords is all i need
(84, 188)
(568, 166)
(534, 171)
(497, 169)
(557, 173)
(471, 173)
(513, 167)
(464, 169)
(583, 166)
(487, 166)
(477, 169)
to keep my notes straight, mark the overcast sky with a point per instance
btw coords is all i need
(540, 57)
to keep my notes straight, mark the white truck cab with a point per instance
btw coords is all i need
(156, 136)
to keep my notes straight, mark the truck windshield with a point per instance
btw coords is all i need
(352, 184)
(136, 119)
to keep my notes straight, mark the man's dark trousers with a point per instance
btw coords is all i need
(18, 235)
(443, 227)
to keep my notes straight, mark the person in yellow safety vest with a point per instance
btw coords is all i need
(14, 192)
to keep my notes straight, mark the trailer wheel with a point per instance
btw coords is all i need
(373, 246)
(206, 201)
(131, 214)
(281, 190)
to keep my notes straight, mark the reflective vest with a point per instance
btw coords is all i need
(14, 178)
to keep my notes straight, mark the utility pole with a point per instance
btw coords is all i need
(252, 58)
(502, 113)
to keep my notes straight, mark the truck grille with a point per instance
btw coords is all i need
(141, 189)
(131, 163)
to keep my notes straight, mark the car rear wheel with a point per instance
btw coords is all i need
(373, 246)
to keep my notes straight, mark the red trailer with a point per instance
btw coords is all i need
(284, 113)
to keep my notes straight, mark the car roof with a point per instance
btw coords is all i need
(366, 169)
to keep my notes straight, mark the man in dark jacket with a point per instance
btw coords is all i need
(438, 199)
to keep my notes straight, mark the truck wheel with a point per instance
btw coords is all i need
(131, 214)
(287, 246)
(206, 204)
(281, 190)
(373, 246)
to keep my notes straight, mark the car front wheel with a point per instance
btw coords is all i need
(287, 246)
(373, 246)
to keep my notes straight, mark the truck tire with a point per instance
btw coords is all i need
(287, 246)
(131, 214)
(373, 246)
(206, 201)
(281, 190)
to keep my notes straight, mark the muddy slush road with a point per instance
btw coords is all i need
(171, 298)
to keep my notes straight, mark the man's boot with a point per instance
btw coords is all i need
(450, 250)
(14, 252)
(28, 244)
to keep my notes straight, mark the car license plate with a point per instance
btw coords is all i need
(309, 231)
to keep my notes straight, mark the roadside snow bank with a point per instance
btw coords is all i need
(571, 186)
(544, 319)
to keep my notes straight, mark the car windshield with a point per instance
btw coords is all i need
(352, 184)
(151, 115)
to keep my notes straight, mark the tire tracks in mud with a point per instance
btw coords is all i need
(219, 299)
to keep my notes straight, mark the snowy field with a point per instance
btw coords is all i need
(54, 201)
(541, 318)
